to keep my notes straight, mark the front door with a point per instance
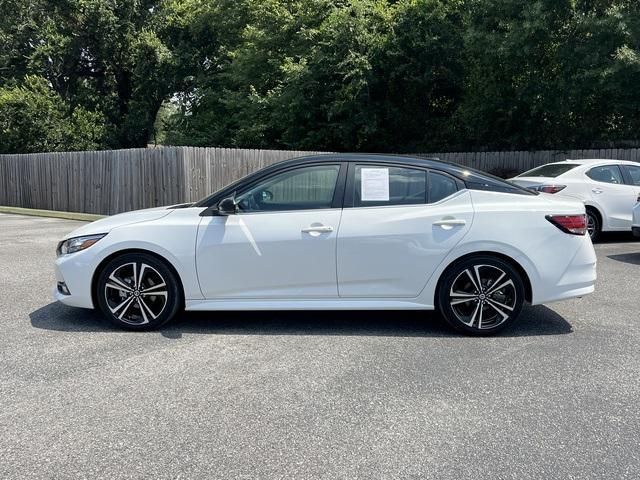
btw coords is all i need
(280, 244)
(402, 224)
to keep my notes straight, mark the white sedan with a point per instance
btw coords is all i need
(337, 232)
(608, 188)
(635, 227)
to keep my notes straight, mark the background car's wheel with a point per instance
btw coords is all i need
(594, 226)
(480, 295)
(137, 291)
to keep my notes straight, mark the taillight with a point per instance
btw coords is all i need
(573, 224)
(551, 188)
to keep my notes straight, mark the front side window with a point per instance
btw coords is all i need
(634, 173)
(305, 188)
(384, 186)
(606, 174)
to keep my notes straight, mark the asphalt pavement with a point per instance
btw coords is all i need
(356, 395)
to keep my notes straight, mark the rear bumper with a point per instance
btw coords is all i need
(577, 280)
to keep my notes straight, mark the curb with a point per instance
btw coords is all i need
(85, 217)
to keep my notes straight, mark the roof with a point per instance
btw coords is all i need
(587, 161)
(355, 157)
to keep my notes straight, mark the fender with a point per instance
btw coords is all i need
(427, 295)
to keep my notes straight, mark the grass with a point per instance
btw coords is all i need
(86, 217)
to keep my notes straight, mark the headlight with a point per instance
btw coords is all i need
(76, 244)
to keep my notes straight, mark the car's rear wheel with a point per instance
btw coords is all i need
(594, 226)
(480, 295)
(138, 291)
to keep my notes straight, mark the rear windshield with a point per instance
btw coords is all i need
(551, 170)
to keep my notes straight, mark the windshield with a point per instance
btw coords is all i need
(551, 170)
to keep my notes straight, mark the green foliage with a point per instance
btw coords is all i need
(102, 55)
(551, 73)
(33, 118)
(367, 75)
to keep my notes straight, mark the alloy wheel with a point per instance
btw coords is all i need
(592, 225)
(483, 296)
(136, 293)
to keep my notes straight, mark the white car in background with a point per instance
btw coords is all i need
(337, 232)
(608, 188)
(636, 219)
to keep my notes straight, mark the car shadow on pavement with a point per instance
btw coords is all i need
(617, 237)
(632, 258)
(534, 321)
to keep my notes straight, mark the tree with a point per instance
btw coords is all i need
(102, 55)
(333, 75)
(550, 74)
(34, 118)
(367, 75)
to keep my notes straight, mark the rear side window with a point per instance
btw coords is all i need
(634, 173)
(383, 185)
(606, 174)
(551, 170)
(441, 186)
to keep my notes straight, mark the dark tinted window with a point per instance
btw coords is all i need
(551, 170)
(304, 188)
(634, 173)
(382, 185)
(441, 186)
(606, 174)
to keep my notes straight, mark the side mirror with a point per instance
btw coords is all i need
(227, 206)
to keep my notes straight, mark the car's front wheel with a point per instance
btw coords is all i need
(480, 295)
(137, 291)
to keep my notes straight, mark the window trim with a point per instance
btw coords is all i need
(349, 187)
(338, 192)
(607, 165)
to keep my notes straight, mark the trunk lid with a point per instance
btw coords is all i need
(532, 182)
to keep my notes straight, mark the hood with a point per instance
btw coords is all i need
(105, 225)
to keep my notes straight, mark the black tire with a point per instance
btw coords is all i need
(485, 312)
(134, 306)
(594, 225)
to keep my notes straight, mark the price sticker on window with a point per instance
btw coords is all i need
(374, 184)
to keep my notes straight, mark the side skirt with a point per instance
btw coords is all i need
(315, 304)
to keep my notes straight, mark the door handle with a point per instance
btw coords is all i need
(596, 190)
(318, 229)
(450, 222)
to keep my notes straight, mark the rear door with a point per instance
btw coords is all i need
(397, 226)
(632, 178)
(609, 190)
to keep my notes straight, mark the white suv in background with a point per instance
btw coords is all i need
(608, 188)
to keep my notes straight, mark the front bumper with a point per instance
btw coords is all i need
(75, 271)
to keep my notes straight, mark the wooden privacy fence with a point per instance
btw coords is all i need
(114, 181)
